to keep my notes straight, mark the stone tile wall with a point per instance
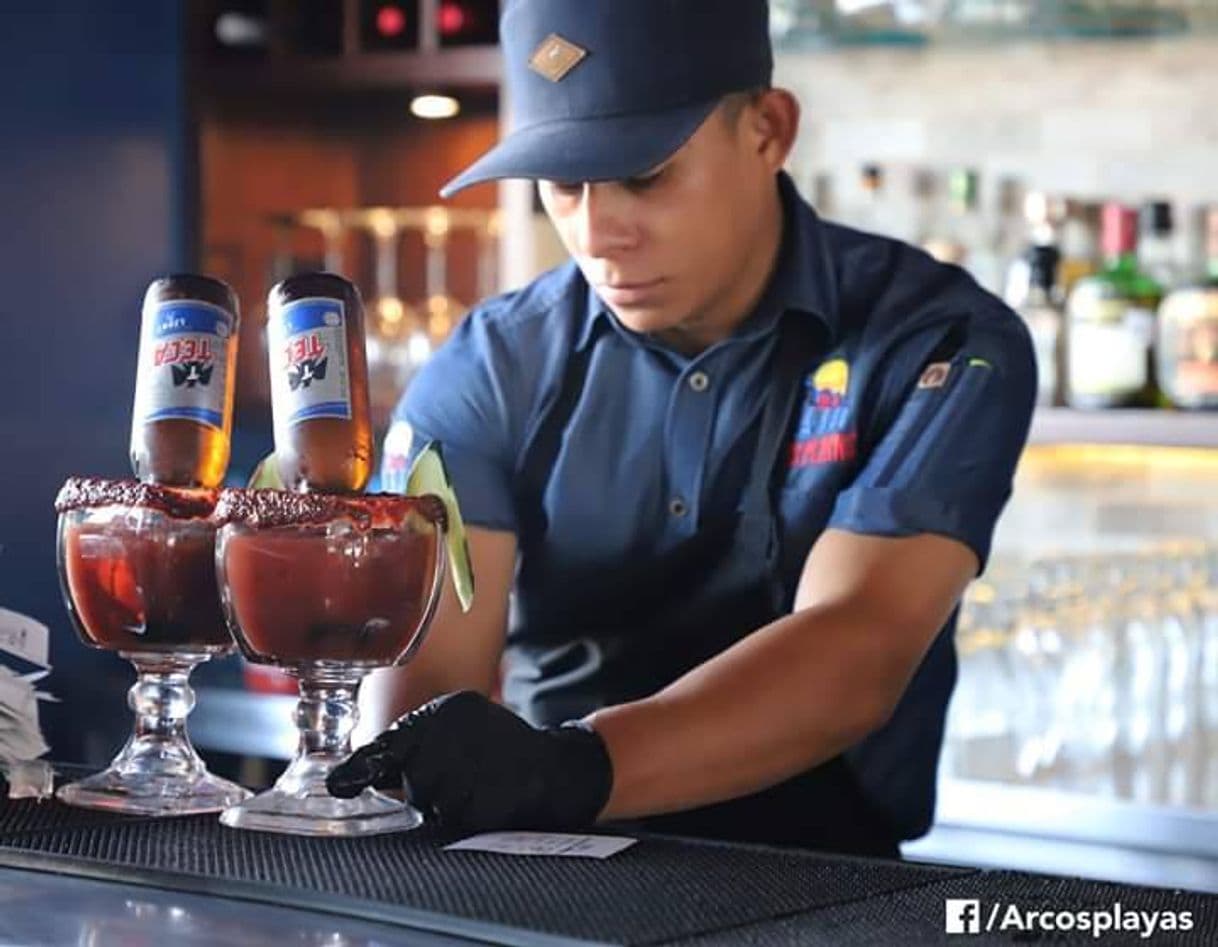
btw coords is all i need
(1129, 120)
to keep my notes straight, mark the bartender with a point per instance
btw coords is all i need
(728, 471)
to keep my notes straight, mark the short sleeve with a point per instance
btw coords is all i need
(464, 399)
(946, 463)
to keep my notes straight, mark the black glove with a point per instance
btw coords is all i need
(477, 767)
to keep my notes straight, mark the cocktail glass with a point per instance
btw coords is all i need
(349, 587)
(141, 582)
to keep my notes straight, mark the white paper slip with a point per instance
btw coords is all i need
(31, 780)
(24, 637)
(20, 737)
(16, 695)
(558, 844)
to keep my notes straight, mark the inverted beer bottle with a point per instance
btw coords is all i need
(181, 426)
(319, 384)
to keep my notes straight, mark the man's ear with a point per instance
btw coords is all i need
(773, 120)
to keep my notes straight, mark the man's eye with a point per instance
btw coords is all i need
(644, 181)
(566, 190)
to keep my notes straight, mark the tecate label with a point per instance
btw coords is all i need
(309, 373)
(184, 363)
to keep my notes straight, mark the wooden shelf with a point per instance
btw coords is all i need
(428, 65)
(1132, 426)
(478, 67)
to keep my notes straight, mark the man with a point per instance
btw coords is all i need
(733, 468)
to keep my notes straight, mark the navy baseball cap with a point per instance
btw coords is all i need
(603, 90)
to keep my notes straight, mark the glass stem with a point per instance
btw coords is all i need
(161, 698)
(326, 715)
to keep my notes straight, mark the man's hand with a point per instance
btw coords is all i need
(476, 767)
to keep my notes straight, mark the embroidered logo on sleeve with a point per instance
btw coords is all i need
(935, 375)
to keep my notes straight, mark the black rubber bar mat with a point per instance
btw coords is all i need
(21, 816)
(660, 890)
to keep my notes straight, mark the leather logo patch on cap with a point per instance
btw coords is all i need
(556, 57)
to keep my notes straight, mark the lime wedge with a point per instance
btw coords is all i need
(429, 475)
(266, 475)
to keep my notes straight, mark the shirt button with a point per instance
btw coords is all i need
(698, 381)
(677, 507)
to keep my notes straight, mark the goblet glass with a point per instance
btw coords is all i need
(139, 579)
(329, 589)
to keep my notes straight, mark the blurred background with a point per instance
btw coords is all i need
(1061, 150)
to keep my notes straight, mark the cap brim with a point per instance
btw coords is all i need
(612, 148)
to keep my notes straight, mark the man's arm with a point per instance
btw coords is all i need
(462, 650)
(901, 546)
(798, 691)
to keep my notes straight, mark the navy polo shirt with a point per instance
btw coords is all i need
(912, 419)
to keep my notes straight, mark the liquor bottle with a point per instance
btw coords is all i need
(923, 192)
(319, 384)
(870, 213)
(1043, 216)
(1041, 308)
(1079, 242)
(1188, 333)
(943, 241)
(966, 240)
(181, 426)
(1156, 246)
(1009, 232)
(1111, 324)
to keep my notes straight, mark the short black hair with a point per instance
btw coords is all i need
(733, 104)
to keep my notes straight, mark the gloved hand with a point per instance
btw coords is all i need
(477, 767)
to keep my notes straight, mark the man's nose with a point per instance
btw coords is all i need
(603, 225)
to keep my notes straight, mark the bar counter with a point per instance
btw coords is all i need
(77, 876)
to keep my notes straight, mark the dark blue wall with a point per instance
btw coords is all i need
(94, 196)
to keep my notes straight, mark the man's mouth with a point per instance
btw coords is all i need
(628, 293)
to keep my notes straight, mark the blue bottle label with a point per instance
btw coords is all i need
(184, 363)
(310, 377)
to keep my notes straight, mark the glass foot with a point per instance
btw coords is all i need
(158, 772)
(299, 802)
(153, 794)
(370, 813)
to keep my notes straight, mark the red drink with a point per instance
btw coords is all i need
(299, 597)
(313, 577)
(139, 567)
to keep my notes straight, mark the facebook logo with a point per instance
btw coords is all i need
(963, 916)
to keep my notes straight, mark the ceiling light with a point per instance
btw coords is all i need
(435, 106)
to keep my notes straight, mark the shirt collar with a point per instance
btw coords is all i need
(803, 281)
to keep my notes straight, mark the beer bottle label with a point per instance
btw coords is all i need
(309, 373)
(184, 364)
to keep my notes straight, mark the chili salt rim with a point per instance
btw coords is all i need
(79, 493)
(269, 509)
